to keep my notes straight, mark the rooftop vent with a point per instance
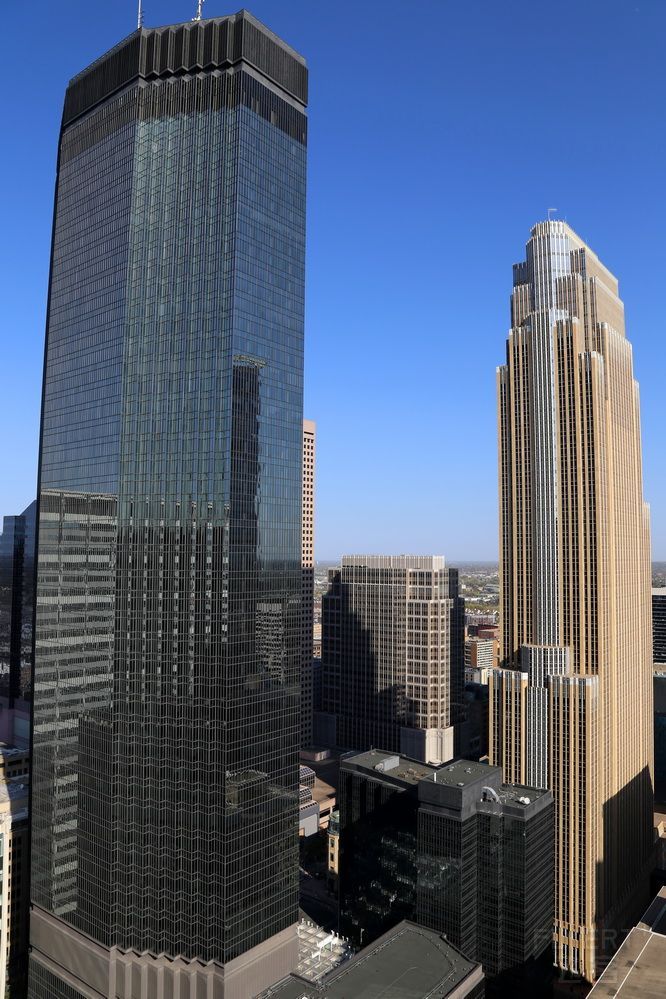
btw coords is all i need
(390, 763)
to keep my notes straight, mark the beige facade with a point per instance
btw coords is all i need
(14, 874)
(575, 587)
(307, 561)
(393, 655)
(480, 657)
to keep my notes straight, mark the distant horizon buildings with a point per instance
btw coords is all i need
(392, 656)
(168, 630)
(571, 707)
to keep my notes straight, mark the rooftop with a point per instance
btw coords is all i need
(428, 562)
(637, 969)
(188, 47)
(12, 752)
(319, 951)
(518, 794)
(405, 769)
(461, 773)
(408, 962)
(14, 800)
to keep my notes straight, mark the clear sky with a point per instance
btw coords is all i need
(440, 131)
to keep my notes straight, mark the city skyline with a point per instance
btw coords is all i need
(466, 206)
(197, 727)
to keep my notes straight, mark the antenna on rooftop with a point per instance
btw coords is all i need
(139, 16)
(549, 211)
(197, 16)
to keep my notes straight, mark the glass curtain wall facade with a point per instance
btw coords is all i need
(457, 851)
(166, 724)
(17, 581)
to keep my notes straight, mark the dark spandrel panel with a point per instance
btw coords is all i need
(169, 593)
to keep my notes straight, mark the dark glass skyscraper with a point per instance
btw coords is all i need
(166, 725)
(456, 850)
(17, 582)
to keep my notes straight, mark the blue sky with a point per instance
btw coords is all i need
(440, 131)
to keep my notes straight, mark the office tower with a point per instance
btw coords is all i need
(392, 654)
(14, 876)
(167, 672)
(575, 587)
(309, 431)
(480, 656)
(453, 848)
(659, 624)
(17, 564)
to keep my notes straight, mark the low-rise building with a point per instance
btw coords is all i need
(408, 961)
(453, 848)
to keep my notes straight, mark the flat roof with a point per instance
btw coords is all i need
(519, 794)
(408, 962)
(11, 752)
(14, 789)
(637, 968)
(411, 771)
(463, 772)
(426, 562)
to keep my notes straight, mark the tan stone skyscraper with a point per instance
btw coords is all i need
(575, 712)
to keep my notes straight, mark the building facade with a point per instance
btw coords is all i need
(14, 873)
(307, 678)
(480, 656)
(571, 707)
(392, 654)
(168, 618)
(453, 848)
(17, 580)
